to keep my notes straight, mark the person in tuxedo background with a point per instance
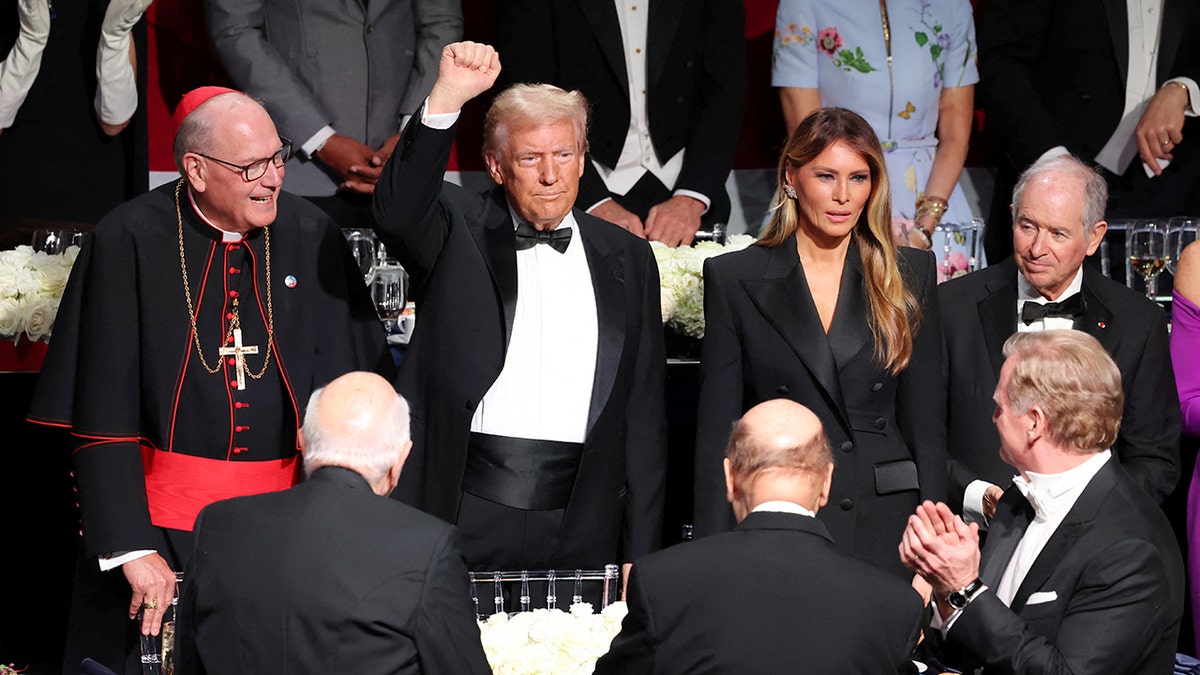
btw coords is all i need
(826, 311)
(331, 576)
(537, 370)
(1107, 81)
(1081, 572)
(735, 602)
(1058, 208)
(341, 77)
(666, 80)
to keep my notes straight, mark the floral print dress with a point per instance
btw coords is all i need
(838, 47)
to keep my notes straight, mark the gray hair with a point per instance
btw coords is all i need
(1095, 190)
(197, 131)
(532, 105)
(371, 452)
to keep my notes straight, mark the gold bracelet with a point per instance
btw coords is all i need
(932, 207)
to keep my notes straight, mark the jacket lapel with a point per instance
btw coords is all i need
(1075, 525)
(660, 33)
(607, 267)
(1174, 18)
(850, 331)
(998, 312)
(1118, 29)
(495, 236)
(603, 18)
(1013, 515)
(1096, 318)
(785, 302)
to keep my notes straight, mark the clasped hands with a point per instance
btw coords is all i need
(356, 165)
(942, 549)
(673, 222)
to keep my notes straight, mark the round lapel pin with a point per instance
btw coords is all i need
(289, 281)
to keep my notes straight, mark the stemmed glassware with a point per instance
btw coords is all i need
(1180, 232)
(51, 241)
(365, 248)
(389, 290)
(1148, 252)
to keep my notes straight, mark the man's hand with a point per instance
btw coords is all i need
(991, 497)
(674, 221)
(1161, 127)
(941, 548)
(153, 585)
(625, 569)
(362, 179)
(342, 153)
(467, 69)
(618, 215)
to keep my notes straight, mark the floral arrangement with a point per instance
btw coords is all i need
(31, 287)
(681, 281)
(546, 641)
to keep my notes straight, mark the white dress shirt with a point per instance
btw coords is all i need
(781, 506)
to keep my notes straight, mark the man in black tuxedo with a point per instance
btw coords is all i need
(536, 369)
(1108, 81)
(773, 595)
(666, 80)
(1059, 220)
(1081, 572)
(330, 576)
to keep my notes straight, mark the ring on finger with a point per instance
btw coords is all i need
(152, 603)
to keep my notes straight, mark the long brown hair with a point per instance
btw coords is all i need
(895, 314)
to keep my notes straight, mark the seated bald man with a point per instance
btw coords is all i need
(330, 576)
(773, 595)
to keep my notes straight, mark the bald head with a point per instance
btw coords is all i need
(778, 450)
(357, 422)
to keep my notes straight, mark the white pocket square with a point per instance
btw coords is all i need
(1041, 597)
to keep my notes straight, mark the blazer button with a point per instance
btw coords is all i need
(846, 504)
(847, 446)
(877, 386)
(469, 404)
(881, 424)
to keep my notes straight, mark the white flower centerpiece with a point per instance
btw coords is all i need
(550, 641)
(681, 281)
(31, 288)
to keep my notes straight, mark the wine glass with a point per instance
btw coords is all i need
(1148, 252)
(363, 245)
(389, 290)
(50, 241)
(1180, 232)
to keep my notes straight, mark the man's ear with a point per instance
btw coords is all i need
(492, 160)
(1098, 231)
(823, 497)
(730, 491)
(194, 171)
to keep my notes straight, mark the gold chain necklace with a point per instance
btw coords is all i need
(235, 322)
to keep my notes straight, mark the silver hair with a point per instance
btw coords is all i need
(531, 105)
(1095, 190)
(371, 452)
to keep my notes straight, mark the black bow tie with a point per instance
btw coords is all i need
(1068, 308)
(528, 237)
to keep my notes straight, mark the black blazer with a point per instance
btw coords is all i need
(695, 81)
(460, 247)
(763, 340)
(979, 312)
(327, 577)
(1110, 585)
(773, 596)
(1053, 72)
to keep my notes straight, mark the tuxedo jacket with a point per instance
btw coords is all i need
(695, 80)
(1053, 72)
(357, 66)
(979, 312)
(764, 340)
(460, 248)
(774, 595)
(326, 577)
(1105, 595)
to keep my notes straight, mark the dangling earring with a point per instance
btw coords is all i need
(789, 191)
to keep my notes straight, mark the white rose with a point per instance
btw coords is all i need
(39, 319)
(52, 277)
(10, 318)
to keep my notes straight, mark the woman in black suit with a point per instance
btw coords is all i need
(825, 311)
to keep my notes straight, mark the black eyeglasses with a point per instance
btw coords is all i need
(255, 170)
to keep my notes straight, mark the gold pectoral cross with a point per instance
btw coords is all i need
(238, 352)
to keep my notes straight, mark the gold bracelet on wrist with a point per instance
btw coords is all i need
(931, 207)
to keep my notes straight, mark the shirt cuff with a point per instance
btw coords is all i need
(437, 120)
(317, 141)
(697, 196)
(1193, 107)
(595, 206)
(115, 560)
(1056, 151)
(972, 507)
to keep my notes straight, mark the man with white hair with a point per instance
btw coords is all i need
(1058, 220)
(329, 576)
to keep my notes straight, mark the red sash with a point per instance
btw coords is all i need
(178, 485)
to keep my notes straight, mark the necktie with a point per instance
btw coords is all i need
(528, 237)
(1068, 308)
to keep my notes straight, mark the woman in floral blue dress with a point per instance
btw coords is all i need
(920, 101)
